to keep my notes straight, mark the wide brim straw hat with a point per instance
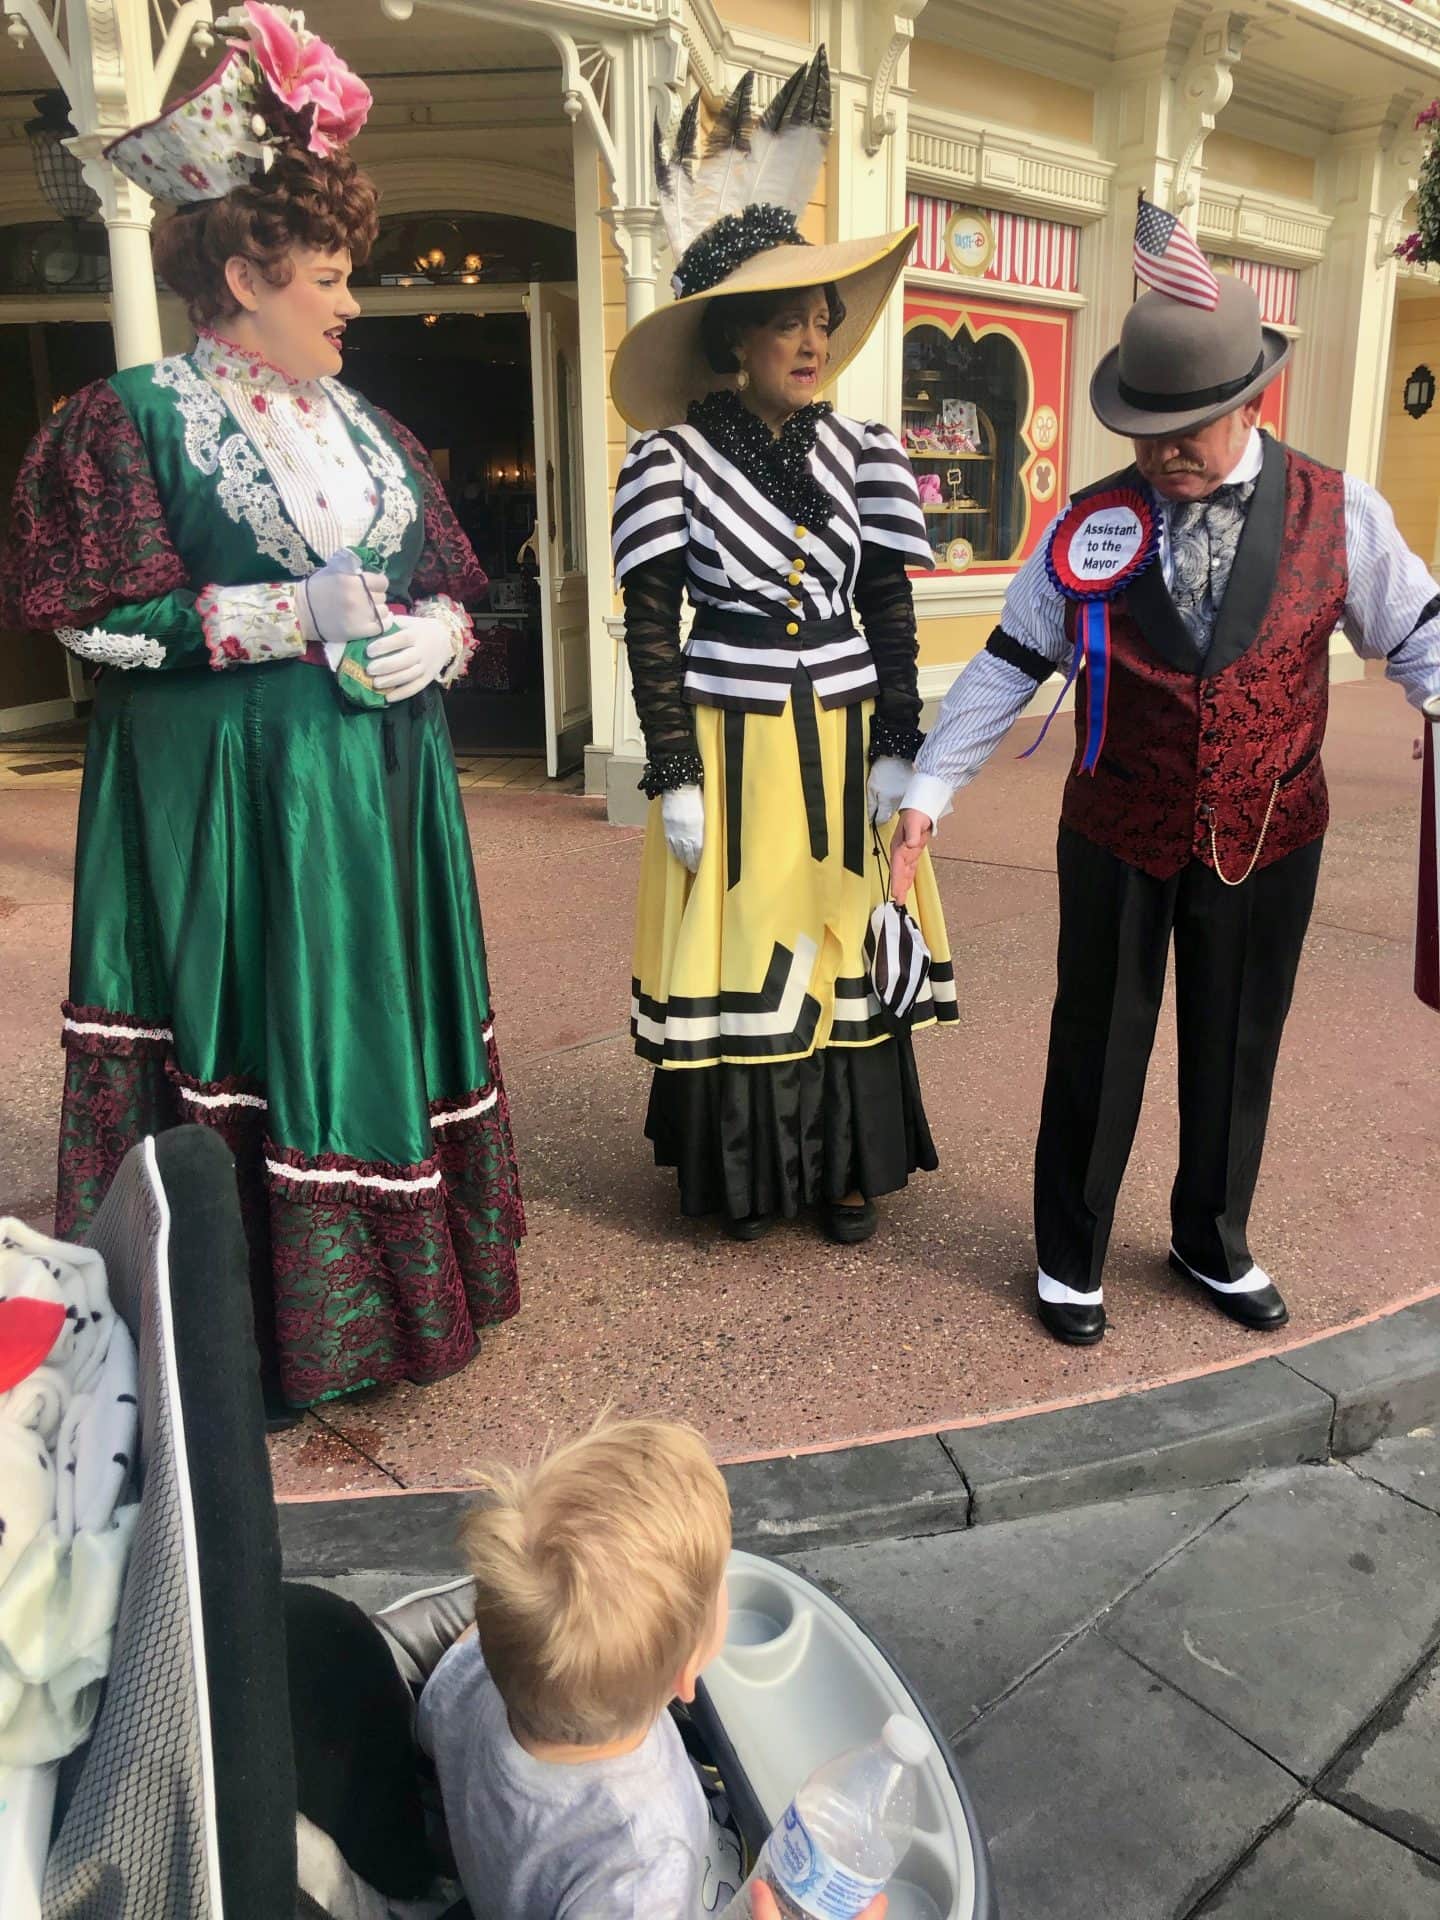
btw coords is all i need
(1178, 367)
(661, 367)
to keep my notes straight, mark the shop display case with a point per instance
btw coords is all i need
(983, 402)
(951, 444)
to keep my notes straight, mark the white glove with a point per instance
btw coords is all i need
(417, 652)
(340, 602)
(889, 778)
(682, 810)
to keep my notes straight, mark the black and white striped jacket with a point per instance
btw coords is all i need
(746, 557)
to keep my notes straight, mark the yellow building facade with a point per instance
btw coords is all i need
(510, 139)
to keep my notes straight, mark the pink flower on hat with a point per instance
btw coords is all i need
(304, 73)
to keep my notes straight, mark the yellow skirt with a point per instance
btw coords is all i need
(759, 957)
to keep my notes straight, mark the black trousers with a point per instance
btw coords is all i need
(1237, 950)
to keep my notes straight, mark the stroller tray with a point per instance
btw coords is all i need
(799, 1681)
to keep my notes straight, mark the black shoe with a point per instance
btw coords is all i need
(1262, 1309)
(281, 1419)
(849, 1225)
(747, 1226)
(1076, 1326)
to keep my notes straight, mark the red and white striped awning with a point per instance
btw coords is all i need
(1276, 288)
(1027, 252)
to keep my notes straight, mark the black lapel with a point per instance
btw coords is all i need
(1257, 562)
(1148, 602)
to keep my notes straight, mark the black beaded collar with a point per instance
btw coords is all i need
(778, 468)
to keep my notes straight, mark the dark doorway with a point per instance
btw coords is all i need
(461, 383)
(41, 366)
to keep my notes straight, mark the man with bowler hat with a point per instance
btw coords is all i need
(1196, 592)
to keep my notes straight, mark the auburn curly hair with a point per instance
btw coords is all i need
(305, 200)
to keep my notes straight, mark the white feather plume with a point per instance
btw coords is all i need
(774, 161)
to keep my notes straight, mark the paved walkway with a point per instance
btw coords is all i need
(1222, 1702)
(790, 1342)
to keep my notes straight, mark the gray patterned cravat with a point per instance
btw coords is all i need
(1203, 537)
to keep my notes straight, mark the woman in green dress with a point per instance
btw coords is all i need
(276, 928)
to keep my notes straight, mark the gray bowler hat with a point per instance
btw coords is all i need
(1178, 367)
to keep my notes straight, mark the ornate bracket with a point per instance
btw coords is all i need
(585, 92)
(887, 39)
(89, 59)
(1203, 90)
(669, 63)
(1402, 148)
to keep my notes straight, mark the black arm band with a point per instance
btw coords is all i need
(1427, 614)
(1028, 659)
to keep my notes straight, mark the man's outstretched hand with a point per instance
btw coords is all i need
(913, 833)
(763, 1907)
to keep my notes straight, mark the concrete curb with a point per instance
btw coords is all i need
(1328, 1400)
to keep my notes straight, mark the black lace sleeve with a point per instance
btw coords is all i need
(887, 612)
(653, 591)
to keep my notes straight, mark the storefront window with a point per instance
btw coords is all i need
(983, 411)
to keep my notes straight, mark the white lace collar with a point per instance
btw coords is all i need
(221, 359)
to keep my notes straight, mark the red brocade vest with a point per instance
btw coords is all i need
(1199, 750)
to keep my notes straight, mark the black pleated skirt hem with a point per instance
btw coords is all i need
(800, 1133)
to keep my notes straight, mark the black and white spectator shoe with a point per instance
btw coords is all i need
(1076, 1318)
(1254, 1299)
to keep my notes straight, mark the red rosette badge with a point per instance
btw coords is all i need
(1097, 547)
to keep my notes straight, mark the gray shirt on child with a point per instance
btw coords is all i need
(628, 1838)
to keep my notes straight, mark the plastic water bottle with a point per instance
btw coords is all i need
(848, 1828)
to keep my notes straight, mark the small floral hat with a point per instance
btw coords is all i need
(278, 84)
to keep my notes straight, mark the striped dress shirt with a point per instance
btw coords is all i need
(745, 556)
(1392, 613)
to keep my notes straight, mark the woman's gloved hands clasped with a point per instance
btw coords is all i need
(341, 602)
(405, 661)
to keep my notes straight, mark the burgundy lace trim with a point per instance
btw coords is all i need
(87, 531)
(355, 1284)
(110, 1101)
(100, 1030)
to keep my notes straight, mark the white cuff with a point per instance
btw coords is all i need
(929, 796)
(453, 617)
(112, 649)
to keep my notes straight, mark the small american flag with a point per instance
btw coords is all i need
(1168, 259)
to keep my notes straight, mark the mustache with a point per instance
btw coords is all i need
(1184, 466)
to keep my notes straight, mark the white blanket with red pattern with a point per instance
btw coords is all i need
(68, 1414)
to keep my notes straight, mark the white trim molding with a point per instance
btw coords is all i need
(1005, 168)
(1261, 226)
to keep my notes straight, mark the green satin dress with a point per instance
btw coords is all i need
(276, 930)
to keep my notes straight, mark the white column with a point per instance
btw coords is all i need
(128, 213)
(589, 275)
(870, 42)
(869, 199)
(114, 78)
(637, 232)
(1350, 296)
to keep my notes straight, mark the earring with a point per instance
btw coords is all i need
(742, 380)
